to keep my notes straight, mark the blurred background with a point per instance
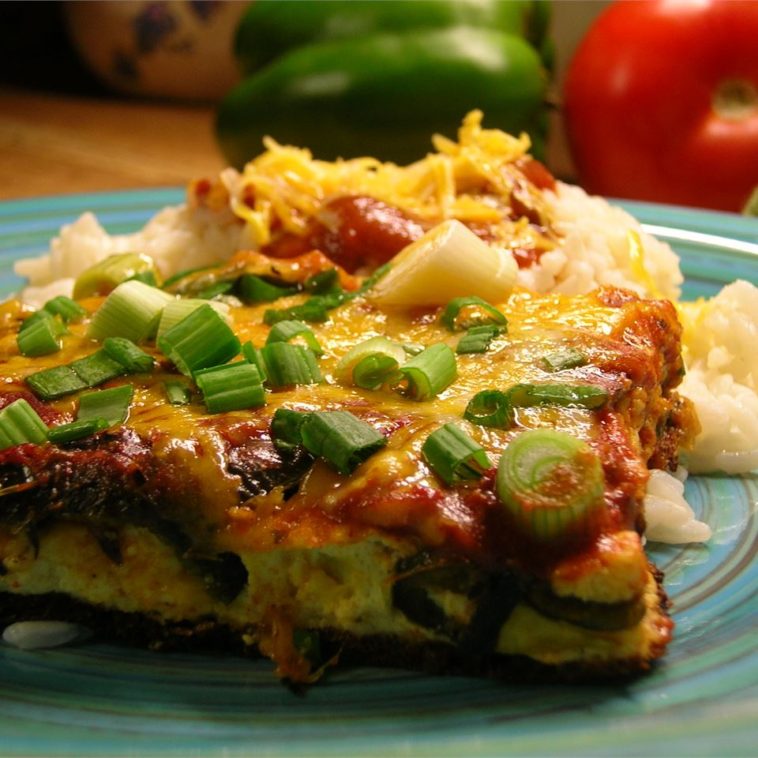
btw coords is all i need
(109, 95)
(114, 95)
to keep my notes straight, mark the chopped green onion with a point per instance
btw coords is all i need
(110, 405)
(200, 340)
(453, 455)
(551, 483)
(285, 428)
(105, 275)
(490, 408)
(124, 351)
(371, 363)
(343, 440)
(253, 289)
(412, 349)
(177, 392)
(371, 280)
(215, 289)
(253, 355)
(287, 365)
(585, 395)
(146, 277)
(232, 387)
(65, 308)
(478, 338)
(55, 382)
(322, 282)
(560, 360)
(464, 312)
(174, 278)
(76, 430)
(313, 310)
(180, 308)
(97, 368)
(42, 315)
(20, 423)
(83, 373)
(40, 338)
(428, 373)
(286, 331)
(132, 310)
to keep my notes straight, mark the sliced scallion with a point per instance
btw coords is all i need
(180, 308)
(200, 340)
(453, 455)
(288, 365)
(231, 387)
(42, 337)
(371, 363)
(288, 330)
(65, 308)
(323, 282)
(42, 315)
(478, 339)
(132, 310)
(584, 395)
(551, 483)
(111, 405)
(20, 423)
(464, 312)
(560, 360)
(253, 355)
(313, 310)
(76, 430)
(428, 373)
(124, 351)
(285, 428)
(490, 408)
(55, 382)
(177, 392)
(342, 439)
(105, 275)
(97, 368)
(215, 290)
(253, 289)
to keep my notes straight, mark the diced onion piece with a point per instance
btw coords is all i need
(551, 484)
(20, 423)
(178, 309)
(447, 262)
(453, 455)
(105, 275)
(370, 363)
(132, 310)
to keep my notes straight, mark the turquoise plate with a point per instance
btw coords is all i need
(701, 700)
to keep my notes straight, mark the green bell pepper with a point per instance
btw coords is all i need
(385, 93)
(270, 28)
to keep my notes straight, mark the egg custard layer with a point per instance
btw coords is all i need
(179, 521)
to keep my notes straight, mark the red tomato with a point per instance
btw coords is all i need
(661, 102)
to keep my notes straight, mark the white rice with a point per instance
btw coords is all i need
(720, 335)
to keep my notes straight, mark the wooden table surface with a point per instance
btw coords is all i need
(55, 144)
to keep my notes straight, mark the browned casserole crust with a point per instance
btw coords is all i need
(183, 527)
